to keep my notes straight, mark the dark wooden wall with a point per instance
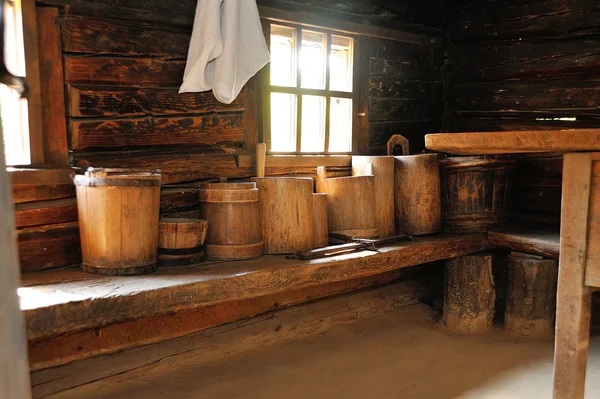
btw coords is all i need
(518, 65)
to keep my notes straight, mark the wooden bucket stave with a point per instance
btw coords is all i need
(232, 213)
(320, 226)
(118, 220)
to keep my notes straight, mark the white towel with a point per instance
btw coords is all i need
(227, 48)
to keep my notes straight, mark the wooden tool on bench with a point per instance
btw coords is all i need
(355, 244)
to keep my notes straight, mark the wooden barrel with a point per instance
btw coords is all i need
(232, 213)
(320, 227)
(383, 169)
(417, 190)
(476, 192)
(350, 203)
(286, 208)
(118, 220)
(181, 241)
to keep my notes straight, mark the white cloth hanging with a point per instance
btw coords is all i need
(227, 48)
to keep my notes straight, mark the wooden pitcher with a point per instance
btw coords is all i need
(350, 203)
(417, 190)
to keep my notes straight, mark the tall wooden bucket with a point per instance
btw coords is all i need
(417, 190)
(232, 213)
(350, 203)
(476, 192)
(118, 220)
(286, 208)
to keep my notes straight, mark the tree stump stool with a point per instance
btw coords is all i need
(531, 299)
(469, 294)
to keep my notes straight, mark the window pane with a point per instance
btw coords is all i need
(313, 124)
(312, 59)
(283, 56)
(283, 122)
(340, 125)
(340, 63)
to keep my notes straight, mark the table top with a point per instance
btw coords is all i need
(512, 142)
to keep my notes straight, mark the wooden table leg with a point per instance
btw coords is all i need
(573, 297)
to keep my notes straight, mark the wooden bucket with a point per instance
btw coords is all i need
(181, 241)
(118, 220)
(232, 213)
(476, 192)
(383, 169)
(350, 203)
(417, 190)
(286, 208)
(320, 227)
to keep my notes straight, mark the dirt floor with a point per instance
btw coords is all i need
(402, 353)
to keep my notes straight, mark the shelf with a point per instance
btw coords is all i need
(532, 239)
(489, 143)
(68, 300)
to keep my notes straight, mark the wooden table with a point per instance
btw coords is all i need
(579, 263)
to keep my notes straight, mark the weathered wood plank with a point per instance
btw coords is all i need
(54, 119)
(130, 334)
(530, 239)
(562, 97)
(46, 212)
(85, 35)
(123, 71)
(515, 142)
(176, 166)
(216, 130)
(50, 246)
(115, 299)
(400, 109)
(427, 72)
(500, 123)
(129, 101)
(392, 86)
(41, 184)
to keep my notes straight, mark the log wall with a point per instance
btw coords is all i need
(517, 65)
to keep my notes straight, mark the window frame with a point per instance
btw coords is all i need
(267, 89)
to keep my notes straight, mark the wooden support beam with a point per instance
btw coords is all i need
(574, 298)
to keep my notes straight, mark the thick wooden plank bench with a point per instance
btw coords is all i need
(68, 300)
(540, 240)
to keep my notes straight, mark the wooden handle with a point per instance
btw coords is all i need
(395, 141)
(261, 157)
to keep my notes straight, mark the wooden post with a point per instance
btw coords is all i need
(531, 299)
(574, 298)
(469, 295)
(14, 368)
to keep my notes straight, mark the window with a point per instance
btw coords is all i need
(17, 116)
(310, 91)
